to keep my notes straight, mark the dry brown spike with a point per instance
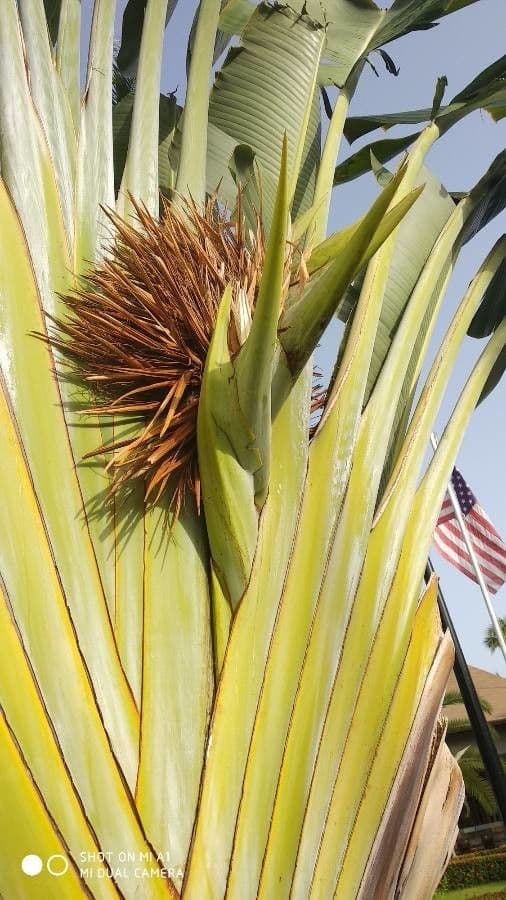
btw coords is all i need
(137, 331)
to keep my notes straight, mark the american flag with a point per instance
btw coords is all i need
(488, 545)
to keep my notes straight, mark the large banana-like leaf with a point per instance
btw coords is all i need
(234, 15)
(353, 27)
(382, 150)
(487, 318)
(409, 256)
(433, 211)
(253, 101)
(309, 314)
(409, 15)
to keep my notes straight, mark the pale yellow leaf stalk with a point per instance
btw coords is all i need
(399, 817)
(30, 386)
(407, 696)
(191, 175)
(26, 829)
(250, 637)
(24, 710)
(41, 613)
(325, 177)
(68, 54)
(140, 175)
(140, 183)
(51, 104)
(300, 598)
(177, 679)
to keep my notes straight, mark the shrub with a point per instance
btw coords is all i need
(474, 868)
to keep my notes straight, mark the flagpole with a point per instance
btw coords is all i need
(472, 555)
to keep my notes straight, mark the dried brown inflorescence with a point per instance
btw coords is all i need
(139, 329)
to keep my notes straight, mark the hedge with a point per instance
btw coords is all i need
(471, 869)
(480, 853)
(489, 896)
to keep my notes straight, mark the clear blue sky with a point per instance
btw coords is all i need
(460, 47)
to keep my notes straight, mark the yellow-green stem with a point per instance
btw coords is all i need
(325, 179)
(191, 176)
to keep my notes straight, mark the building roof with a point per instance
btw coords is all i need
(489, 687)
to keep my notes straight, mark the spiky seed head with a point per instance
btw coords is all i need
(138, 331)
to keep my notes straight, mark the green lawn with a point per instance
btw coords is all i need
(489, 891)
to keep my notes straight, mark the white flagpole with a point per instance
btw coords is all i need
(472, 554)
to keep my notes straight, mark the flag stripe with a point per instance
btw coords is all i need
(447, 512)
(480, 529)
(486, 525)
(447, 517)
(459, 551)
(480, 550)
(445, 548)
(460, 547)
(491, 578)
(455, 560)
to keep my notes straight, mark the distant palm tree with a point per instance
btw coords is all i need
(471, 764)
(490, 640)
(476, 786)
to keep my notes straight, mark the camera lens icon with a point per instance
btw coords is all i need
(57, 865)
(32, 865)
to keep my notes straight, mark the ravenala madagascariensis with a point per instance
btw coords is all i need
(219, 676)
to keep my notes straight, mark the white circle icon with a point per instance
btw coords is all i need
(57, 865)
(31, 865)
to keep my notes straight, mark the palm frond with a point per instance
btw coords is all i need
(490, 639)
(122, 84)
(476, 785)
